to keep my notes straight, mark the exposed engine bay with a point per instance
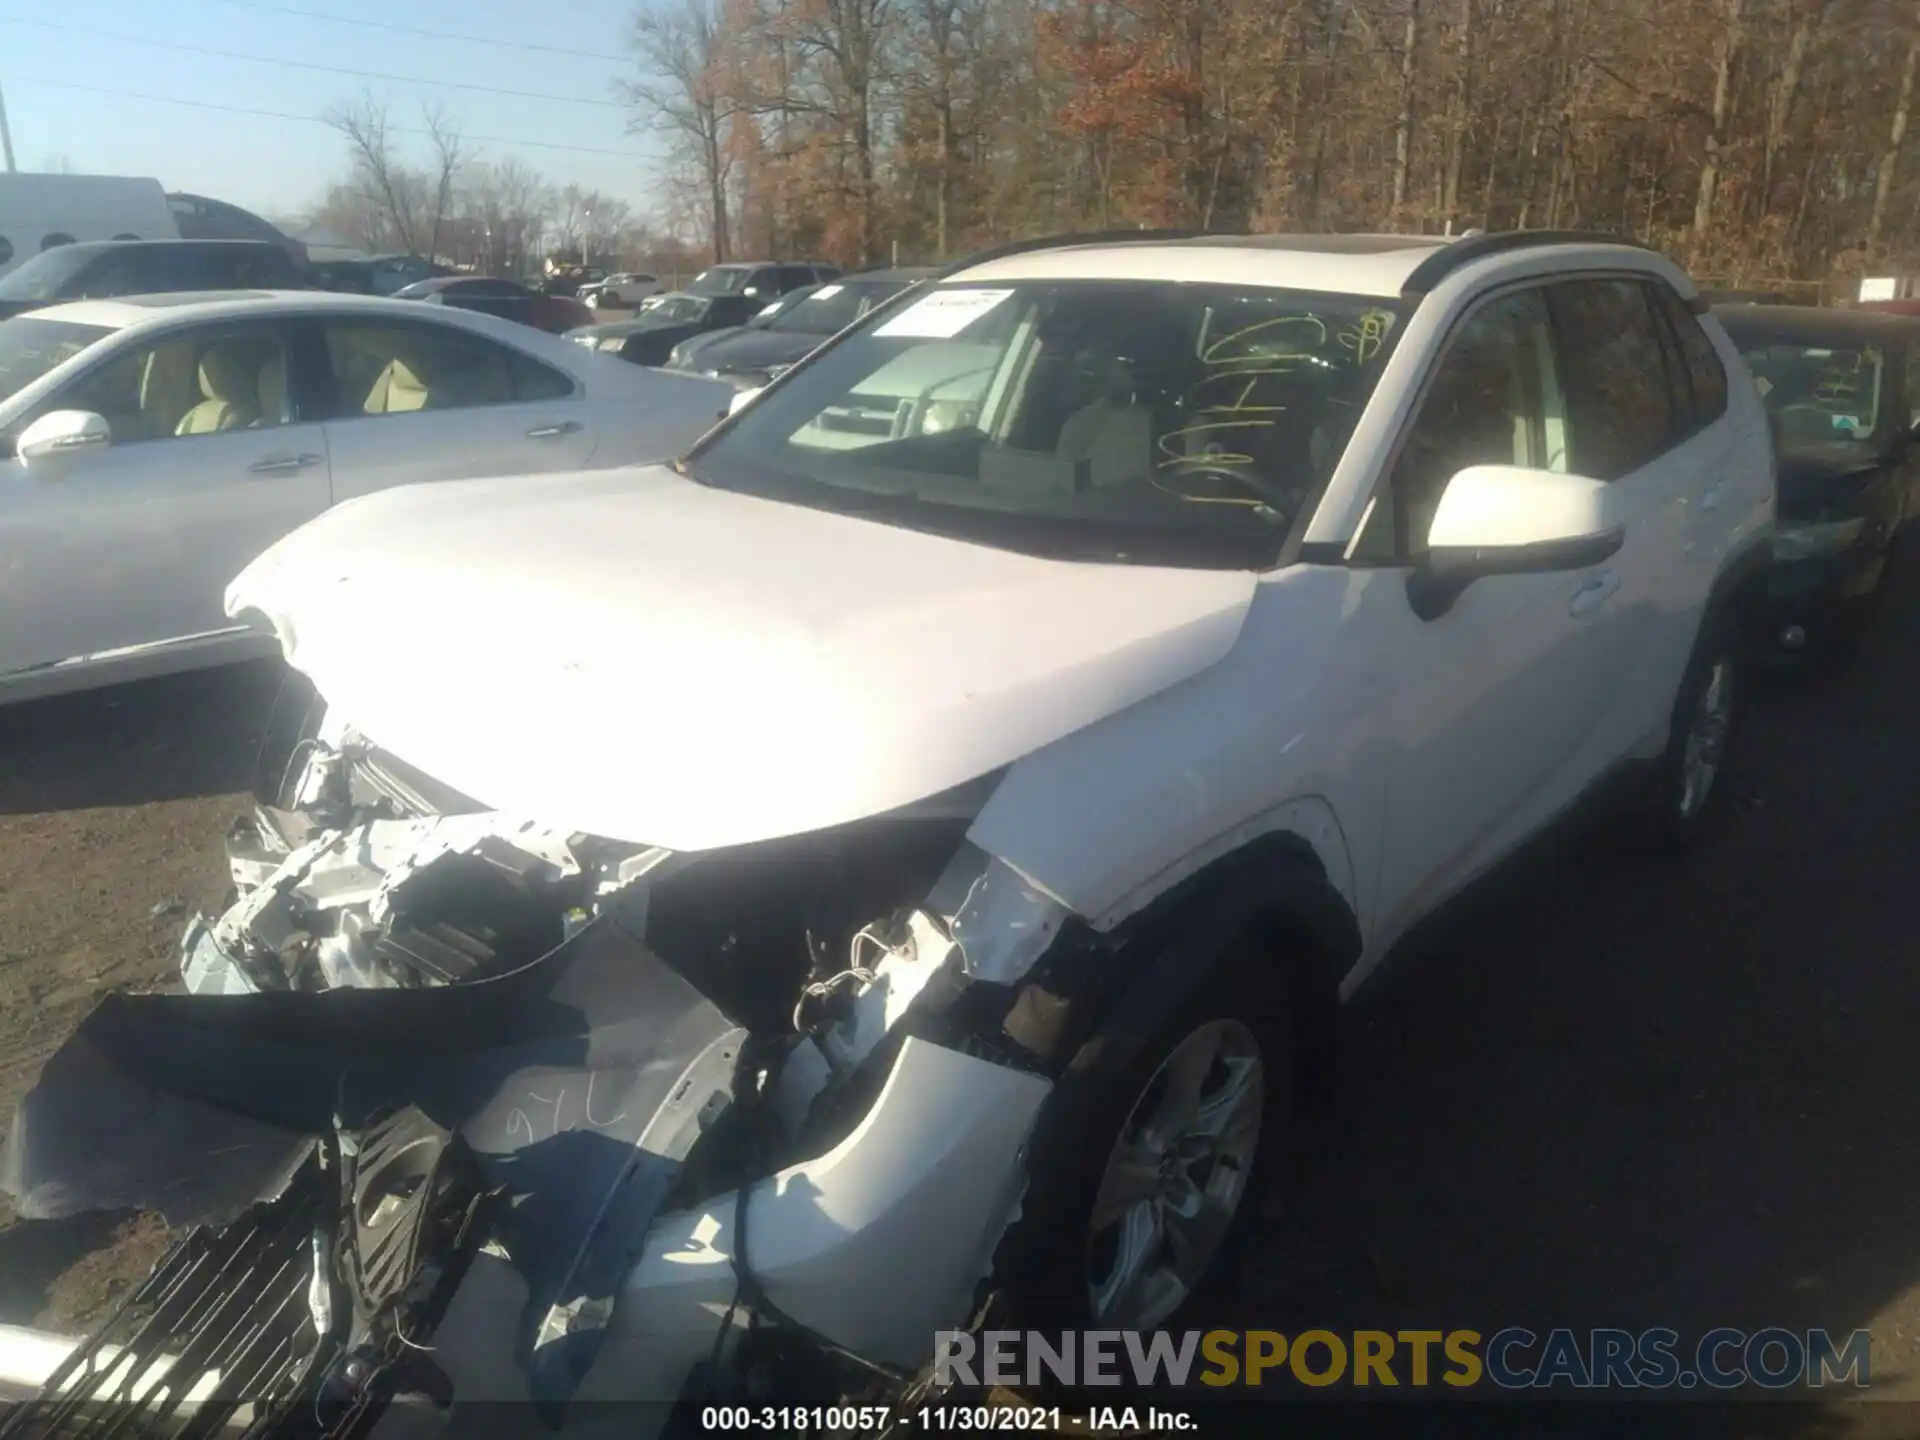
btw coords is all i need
(425, 1036)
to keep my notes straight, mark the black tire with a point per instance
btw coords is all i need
(1053, 1251)
(1670, 813)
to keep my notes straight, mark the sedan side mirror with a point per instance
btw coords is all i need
(1509, 520)
(62, 432)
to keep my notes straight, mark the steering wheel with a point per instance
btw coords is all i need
(1274, 496)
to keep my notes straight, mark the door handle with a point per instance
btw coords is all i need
(280, 464)
(550, 432)
(1592, 595)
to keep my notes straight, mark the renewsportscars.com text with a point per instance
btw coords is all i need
(1514, 1358)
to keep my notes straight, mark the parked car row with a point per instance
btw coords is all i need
(930, 823)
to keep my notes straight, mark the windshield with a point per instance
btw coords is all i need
(1119, 420)
(45, 275)
(1819, 393)
(719, 280)
(678, 307)
(30, 347)
(832, 308)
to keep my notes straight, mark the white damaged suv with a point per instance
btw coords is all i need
(913, 848)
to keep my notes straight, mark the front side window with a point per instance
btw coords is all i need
(201, 382)
(1620, 408)
(31, 347)
(1495, 398)
(1117, 420)
(380, 368)
(1706, 376)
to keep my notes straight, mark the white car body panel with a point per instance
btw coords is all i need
(842, 667)
(118, 556)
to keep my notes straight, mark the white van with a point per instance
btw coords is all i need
(38, 212)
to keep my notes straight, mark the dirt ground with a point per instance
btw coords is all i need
(1683, 1095)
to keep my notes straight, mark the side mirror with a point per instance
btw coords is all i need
(754, 292)
(739, 402)
(62, 432)
(1509, 520)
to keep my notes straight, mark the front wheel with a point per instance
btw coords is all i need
(1130, 1219)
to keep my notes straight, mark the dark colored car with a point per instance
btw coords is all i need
(508, 299)
(101, 269)
(756, 280)
(197, 217)
(649, 338)
(755, 354)
(1842, 389)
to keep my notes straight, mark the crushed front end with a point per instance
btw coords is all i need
(464, 1108)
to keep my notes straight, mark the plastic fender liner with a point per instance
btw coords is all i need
(1275, 885)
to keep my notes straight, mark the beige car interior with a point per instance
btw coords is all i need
(397, 371)
(189, 387)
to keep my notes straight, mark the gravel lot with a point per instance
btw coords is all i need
(1683, 1095)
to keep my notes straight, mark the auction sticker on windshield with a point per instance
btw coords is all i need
(943, 314)
(827, 292)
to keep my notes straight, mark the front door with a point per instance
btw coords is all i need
(1495, 699)
(131, 545)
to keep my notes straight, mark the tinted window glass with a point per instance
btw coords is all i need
(1620, 411)
(30, 347)
(792, 277)
(1706, 376)
(205, 382)
(386, 369)
(1494, 399)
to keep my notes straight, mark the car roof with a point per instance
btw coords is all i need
(91, 246)
(1386, 266)
(124, 311)
(1813, 323)
(894, 275)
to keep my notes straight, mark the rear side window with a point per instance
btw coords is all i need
(1705, 377)
(1620, 411)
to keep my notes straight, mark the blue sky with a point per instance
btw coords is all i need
(279, 167)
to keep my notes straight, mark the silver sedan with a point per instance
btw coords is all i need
(151, 446)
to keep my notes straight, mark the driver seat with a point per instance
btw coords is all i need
(1113, 434)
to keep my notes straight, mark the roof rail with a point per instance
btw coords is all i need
(1428, 274)
(1061, 242)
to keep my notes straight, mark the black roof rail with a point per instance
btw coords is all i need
(1428, 274)
(1061, 242)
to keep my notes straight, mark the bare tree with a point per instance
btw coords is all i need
(682, 92)
(448, 157)
(377, 169)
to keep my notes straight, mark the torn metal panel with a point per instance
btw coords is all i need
(567, 1077)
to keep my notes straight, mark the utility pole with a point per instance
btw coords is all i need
(6, 135)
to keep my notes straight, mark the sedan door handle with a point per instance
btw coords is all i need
(1592, 595)
(551, 432)
(280, 464)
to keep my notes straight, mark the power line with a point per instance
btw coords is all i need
(398, 29)
(303, 119)
(305, 64)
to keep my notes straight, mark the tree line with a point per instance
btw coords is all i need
(1763, 141)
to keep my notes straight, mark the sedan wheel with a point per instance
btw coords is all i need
(1176, 1177)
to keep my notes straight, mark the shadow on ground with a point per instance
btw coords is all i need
(169, 739)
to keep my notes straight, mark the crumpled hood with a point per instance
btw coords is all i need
(634, 655)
